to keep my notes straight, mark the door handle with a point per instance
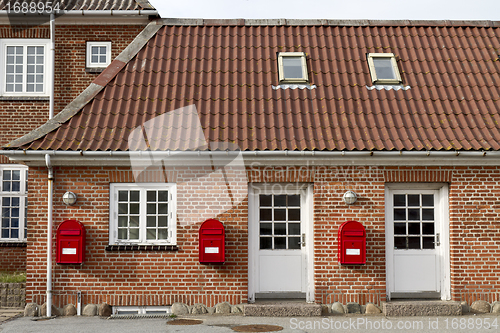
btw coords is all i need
(303, 242)
(438, 241)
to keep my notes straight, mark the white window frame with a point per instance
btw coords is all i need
(281, 70)
(373, 72)
(47, 75)
(89, 63)
(142, 187)
(22, 194)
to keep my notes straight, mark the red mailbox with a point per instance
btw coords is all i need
(70, 240)
(352, 243)
(211, 242)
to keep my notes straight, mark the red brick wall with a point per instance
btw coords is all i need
(13, 259)
(164, 277)
(19, 117)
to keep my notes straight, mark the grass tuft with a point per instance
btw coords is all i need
(6, 277)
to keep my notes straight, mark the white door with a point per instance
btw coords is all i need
(278, 227)
(416, 242)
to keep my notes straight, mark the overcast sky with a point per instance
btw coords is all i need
(332, 9)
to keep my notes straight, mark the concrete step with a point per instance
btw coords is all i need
(282, 309)
(422, 308)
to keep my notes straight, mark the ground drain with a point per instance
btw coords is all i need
(257, 328)
(184, 322)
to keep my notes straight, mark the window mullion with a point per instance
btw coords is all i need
(142, 215)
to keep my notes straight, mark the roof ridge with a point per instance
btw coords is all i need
(327, 22)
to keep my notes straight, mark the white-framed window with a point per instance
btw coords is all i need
(98, 54)
(25, 69)
(13, 203)
(142, 213)
(384, 68)
(292, 67)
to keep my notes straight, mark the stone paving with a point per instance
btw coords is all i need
(9, 313)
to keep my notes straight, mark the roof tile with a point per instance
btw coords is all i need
(228, 71)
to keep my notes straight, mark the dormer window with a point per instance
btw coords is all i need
(384, 68)
(292, 67)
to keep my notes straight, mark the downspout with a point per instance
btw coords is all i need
(50, 172)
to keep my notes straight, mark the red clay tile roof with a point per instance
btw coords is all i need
(449, 99)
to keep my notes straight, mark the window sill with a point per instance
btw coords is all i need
(95, 70)
(112, 248)
(13, 244)
(24, 98)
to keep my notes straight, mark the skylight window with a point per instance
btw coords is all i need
(292, 67)
(384, 68)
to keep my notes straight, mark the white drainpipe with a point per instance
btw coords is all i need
(50, 173)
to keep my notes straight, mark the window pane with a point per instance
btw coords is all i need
(266, 200)
(162, 221)
(122, 195)
(280, 201)
(162, 208)
(294, 215)
(122, 234)
(428, 242)
(151, 234)
(134, 234)
(294, 243)
(294, 200)
(294, 228)
(292, 67)
(162, 196)
(266, 214)
(266, 243)
(134, 196)
(122, 221)
(413, 214)
(427, 214)
(414, 243)
(134, 208)
(122, 208)
(280, 214)
(383, 67)
(151, 208)
(134, 221)
(163, 234)
(400, 243)
(399, 214)
(427, 200)
(414, 200)
(413, 228)
(266, 229)
(151, 196)
(399, 200)
(151, 222)
(428, 228)
(280, 228)
(280, 243)
(400, 228)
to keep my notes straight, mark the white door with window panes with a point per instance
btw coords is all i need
(279, 224)
(416, 242)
